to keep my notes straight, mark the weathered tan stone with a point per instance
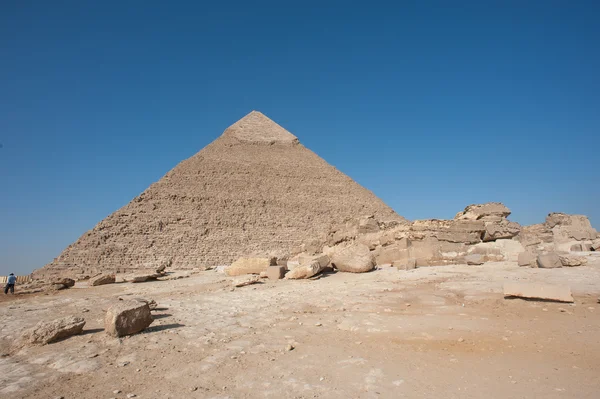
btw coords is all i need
(275, 272)
(355, 258)
(101, 280)
(368, 225)
(249, 266)
(492, 210)
(576, 248)
(572, 260)
(501, 230)
(391, 254)
(46, 332)
(305, 271)
(245, 280)
(527, 259)
(549, 261)
(67, 282)
(558, 293)
(127, 318)
(405, 264)
(474, 259)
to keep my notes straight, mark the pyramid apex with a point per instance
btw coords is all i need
(256, 127)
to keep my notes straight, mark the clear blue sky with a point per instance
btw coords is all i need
(432, 105)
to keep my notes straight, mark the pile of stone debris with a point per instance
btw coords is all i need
(479, 234)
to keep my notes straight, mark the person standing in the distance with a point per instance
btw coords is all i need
(10, 284)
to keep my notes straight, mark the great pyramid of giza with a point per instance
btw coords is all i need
(254, 190)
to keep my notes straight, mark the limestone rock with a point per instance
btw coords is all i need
(492, 211)
(406, 264)
(127, 318)
(568, 228)
(150, 302)
(549, 261)
(549, 292)
(46, 332)
(527, 259)
(55, 287)
(368, 225)
(572, 260)
(355, 258)
(576, 248)
(101, 280)
(250, 266)
(501, 230)
(67, 282)
(305, 271)
(474, 259)
(142, 277)
(275, 272)
(304, 259)
(246, 280)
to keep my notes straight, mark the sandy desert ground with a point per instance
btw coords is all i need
(434, 332)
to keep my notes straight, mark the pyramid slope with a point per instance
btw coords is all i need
(254, 190)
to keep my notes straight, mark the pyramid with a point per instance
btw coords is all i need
(253, 191)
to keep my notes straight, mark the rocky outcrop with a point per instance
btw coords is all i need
(560, 232)
(250, 266)
(127, 318)
(572, 260)
(67, 282)
(305, 271)
(47, 332)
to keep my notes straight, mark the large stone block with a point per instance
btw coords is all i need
(549, 261)
(127, 318)
(501, 230)
(46, 332)
(275, 272)
(102, 280)
(250, 266)
(492, 210)
(355, 258)
(527, 259)
(305, 271)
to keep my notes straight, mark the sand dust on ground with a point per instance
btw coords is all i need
(428, 333)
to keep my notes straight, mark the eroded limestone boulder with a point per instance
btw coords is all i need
(250, 266)
(101, 280)
(354, 258)
(67, 282)
(491, 211)
(501, 230)
(305, 271)
(46, 332)
(549, 261)
(475, 259)
(572, 260)
(527, 259)
(127, 318)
